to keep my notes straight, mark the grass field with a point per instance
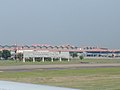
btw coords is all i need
(85, 79)
(91, 61)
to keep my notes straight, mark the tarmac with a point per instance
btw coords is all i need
(22, 68)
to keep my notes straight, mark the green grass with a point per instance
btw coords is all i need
(11, 63)
(85, 79)
(74, 61)
(102, 60)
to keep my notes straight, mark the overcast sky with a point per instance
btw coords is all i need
(57, 22)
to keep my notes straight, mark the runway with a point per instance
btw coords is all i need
(23, 68)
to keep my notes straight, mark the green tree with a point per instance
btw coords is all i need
(0, 54)
(6, 54)
(81, 57)
(74, 54)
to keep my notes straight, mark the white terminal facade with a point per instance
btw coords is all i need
(45, 54)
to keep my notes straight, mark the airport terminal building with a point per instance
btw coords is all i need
(59, 52)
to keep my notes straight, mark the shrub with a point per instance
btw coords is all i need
(81, 57)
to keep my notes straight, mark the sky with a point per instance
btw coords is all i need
(60, 22)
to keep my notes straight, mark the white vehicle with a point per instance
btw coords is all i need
(7, 85)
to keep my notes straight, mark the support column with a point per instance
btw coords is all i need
(52, 59)
(60, 59)
(23, 59)
(43, 59)
(33, 59)
(68, 59)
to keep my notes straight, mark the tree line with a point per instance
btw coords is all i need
(6, 54)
